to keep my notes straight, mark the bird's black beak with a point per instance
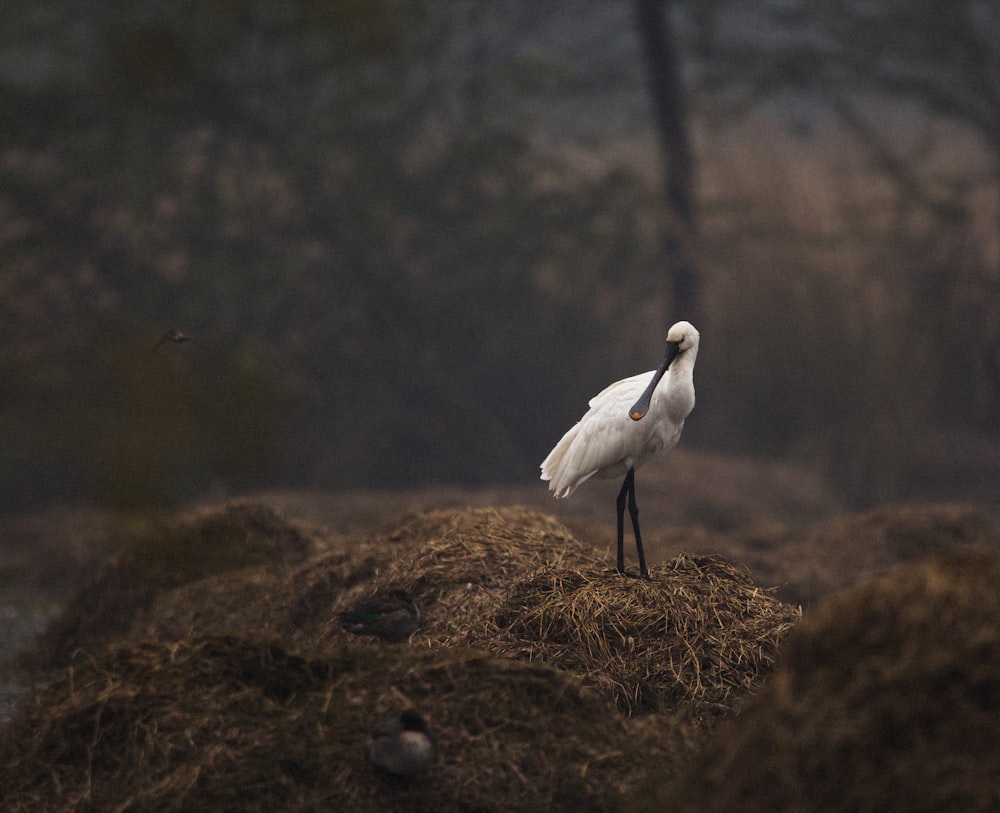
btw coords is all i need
(641, 407)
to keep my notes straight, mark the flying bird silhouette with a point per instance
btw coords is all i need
(174, 336)
(628, 422)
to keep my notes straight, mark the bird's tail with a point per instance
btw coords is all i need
(558, 470)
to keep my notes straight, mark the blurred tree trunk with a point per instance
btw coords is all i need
(656, 29)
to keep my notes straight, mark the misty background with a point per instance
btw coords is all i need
(409, 240)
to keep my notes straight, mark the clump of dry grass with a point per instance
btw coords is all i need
(287, 601)
(886, 698)
(489, 545)
(161, 556)
(457, 564)
(226, 724)
(517, 583)
(845, 550)
(698, 631)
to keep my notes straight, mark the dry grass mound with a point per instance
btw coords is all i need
(226, 724)
(491, 545)
(212, 541)
(508, 580)
(241, 568)
(698, 631)
(887, 698)
(232, 685)
(159, 556)
(458, 564)
(852, 549)
(287, 602)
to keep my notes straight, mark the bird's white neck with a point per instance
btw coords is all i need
(679, 392)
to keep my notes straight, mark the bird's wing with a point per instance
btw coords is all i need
(597, 444)
(622, 393)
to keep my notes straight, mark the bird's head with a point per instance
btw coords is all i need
(684, 335)
(681, 338)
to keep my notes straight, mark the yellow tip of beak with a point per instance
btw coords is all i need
(637, 416)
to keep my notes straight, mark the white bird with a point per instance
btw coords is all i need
(627, 423)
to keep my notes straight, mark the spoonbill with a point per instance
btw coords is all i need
(392, 616)
(628, 422)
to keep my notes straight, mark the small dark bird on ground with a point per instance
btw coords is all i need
(174, 336)
(402, 745)
(392, 616)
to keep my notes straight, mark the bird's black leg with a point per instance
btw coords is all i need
(627, 497)
(621, 519)
(633, 512)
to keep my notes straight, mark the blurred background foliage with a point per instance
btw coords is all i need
(410, 239)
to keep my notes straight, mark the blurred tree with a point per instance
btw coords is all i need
(853, 57)
(850, 55)
(656, 29)
(337, 200)
(903, 78)
(395, 228)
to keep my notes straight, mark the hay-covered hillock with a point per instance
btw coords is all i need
(887, 698)
(698, 631)
(227, 724)
(507, 580)
(215, 675)
(458, 564)
(161, 556)
(515, 582)
(288, 602)
(849, 549)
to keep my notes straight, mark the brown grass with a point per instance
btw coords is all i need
(697, 632)
(219, 724)
(161, 555)
(211, 674)
(457, 564)
(809, 564)
(227, 684)
(887, 698)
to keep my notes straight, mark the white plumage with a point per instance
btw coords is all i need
(628, 422)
